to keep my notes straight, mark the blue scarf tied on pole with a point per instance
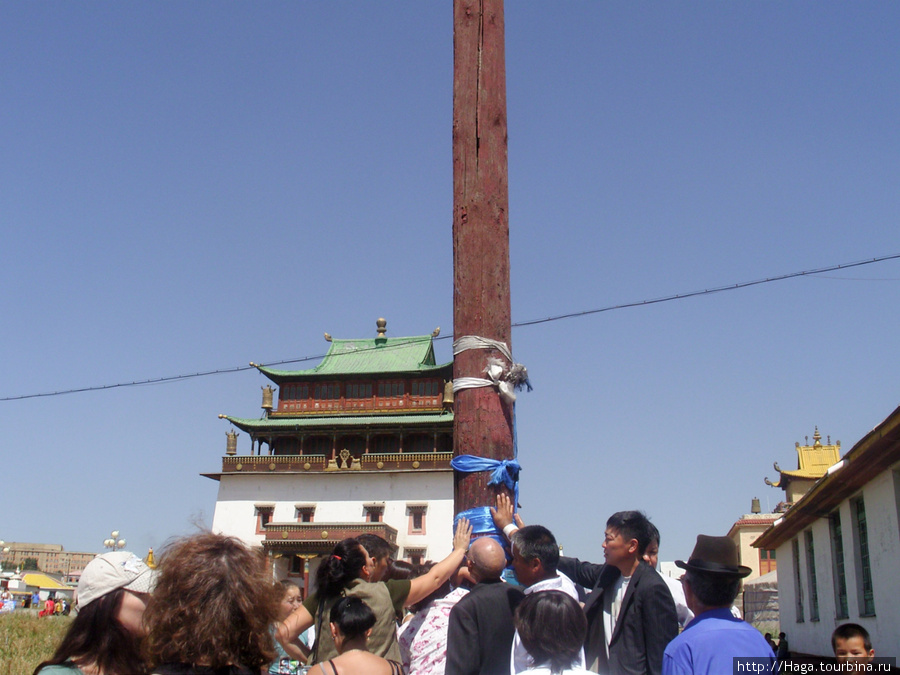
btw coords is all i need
(503, 471)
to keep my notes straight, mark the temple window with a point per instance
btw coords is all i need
(838, 573)
(264, 513)
(357, 390)
(415, 555)
(374, 513)
(327, 391)
(766, 560)
(416, 514)
(811, 576)
(305, 512)
(424, 388)
(865, 588)
(798, 582)
(391, 389)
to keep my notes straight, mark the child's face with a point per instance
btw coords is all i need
(852, 650)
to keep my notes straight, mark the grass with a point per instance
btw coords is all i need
(26, 640)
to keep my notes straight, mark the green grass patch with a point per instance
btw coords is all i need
(26, 640)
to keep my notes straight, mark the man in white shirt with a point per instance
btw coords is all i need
(651, 556)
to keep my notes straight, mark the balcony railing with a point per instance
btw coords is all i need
(375, 461)
(320, 537)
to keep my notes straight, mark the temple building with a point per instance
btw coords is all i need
(838, 547)
(360, 443)
(812, 463)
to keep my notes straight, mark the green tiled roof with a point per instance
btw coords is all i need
(367, 357)
(289, 423)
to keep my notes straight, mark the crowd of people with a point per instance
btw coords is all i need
(210, 608)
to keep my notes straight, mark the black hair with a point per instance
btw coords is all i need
(345, 564)
(654, 533)
(441, 591)
(96, 637)
(632, 525)
(377, 547)
(536, 541)
(552, 627)
(352, 616)
(713, 590)
(399, 569)
(851, 630)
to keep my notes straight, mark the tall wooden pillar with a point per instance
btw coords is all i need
(481, 306)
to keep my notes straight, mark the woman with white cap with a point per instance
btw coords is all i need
(105, 637)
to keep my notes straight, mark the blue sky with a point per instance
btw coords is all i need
(192, 186)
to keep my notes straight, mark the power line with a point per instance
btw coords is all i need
(710, 291)
(521, 324)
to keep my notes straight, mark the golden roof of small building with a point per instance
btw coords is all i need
(42, 580)
(812, 461)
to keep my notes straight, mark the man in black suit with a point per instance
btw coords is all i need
(480, 634)
(630, 612)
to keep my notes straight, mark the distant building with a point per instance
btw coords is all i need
(360, 443)
(838, 547)
(744, 532)
(50, 558)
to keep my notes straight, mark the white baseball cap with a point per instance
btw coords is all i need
(107, 572)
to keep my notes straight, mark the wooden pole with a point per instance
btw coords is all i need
(482, 424)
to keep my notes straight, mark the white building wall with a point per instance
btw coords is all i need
(882, 500)
(339, 497)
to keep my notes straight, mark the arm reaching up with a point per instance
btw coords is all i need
(428, 583)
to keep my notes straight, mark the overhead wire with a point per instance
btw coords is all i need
(520, 324)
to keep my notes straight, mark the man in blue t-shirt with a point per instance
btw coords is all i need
(710, 643)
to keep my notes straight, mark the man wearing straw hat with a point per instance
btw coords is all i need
(711, 642)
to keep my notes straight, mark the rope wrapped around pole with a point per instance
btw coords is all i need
(506, 380)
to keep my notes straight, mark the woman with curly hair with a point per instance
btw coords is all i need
(345, 573)
(211, 611)
(105, 637)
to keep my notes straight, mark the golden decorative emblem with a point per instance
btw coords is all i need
(380, 465)
(307, 466)
(324, 534)
(284, 534)
(415, 465)
(238, 466)
(271, 466)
